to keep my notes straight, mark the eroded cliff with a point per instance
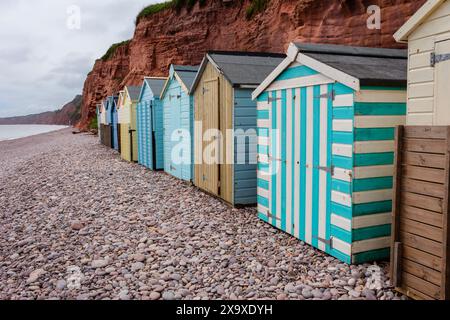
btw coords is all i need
(183, 36)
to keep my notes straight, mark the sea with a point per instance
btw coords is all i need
(11, 132)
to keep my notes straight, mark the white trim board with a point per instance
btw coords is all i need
(418, 18)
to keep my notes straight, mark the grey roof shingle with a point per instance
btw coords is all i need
(134, 92)
(246, 68)
(372, 66)
(186, 73)
(156, 85)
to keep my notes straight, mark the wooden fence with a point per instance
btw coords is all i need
(420, 234)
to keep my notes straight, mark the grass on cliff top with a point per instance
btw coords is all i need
(175, 4)
(113, 49)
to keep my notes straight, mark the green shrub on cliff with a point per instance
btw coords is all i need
(256, 7)
(93, 124)
(113, 49)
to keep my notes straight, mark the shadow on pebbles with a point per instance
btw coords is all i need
(77, 222)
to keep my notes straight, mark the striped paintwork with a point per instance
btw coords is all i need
(303, 129)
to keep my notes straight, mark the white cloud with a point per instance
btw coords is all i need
(43, 63)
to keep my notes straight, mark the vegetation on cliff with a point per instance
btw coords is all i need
(256, 6)
(113, 49)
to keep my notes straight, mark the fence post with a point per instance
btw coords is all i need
(395, 266)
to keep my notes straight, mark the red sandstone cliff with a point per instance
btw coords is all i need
(183, 37)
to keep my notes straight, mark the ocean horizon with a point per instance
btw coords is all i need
(12, 132)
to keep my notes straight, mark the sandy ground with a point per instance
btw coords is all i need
(77, 222)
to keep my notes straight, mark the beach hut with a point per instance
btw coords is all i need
(178, 108)
(428, 36)
(150, 124)
(225, 123)
(98, 112)
(112, 100)
(326, 121)
(127, 103)
(107, 131)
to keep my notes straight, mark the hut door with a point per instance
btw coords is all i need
(442, 69)
(300, 158)
(211, 140)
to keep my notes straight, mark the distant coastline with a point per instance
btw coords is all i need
(69, 114)
(17, 131)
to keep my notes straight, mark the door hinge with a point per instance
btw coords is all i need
(329, 95)
(328, 242)
(270, 99)
(327, 169)
(437, 58)
(175, 96)
(205, 90)
(272, 216)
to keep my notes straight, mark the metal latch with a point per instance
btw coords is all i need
(328, 242)
(205, 90)
(329, 95)
(437, 58)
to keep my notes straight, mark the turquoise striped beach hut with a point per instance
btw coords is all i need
(149, 122)
(326, 119)
(178, 123)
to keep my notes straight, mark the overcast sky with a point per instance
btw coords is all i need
(44, 56)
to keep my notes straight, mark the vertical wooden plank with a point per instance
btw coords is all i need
(396, 265)
(394, 268)
(445, 290)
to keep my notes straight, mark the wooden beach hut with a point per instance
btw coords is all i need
(98, 112)
(112, 100)
(428, 36)
(326, 119)
(178, 123)
(150, 124)
(127, 103)
(225, 123)
(107, 126)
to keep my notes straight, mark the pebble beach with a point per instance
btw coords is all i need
(77, 222)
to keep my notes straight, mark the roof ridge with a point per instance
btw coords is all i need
(248, 53)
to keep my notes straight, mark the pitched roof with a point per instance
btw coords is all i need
(352, 66)
(156, 84)
(134, 92)
(372, 66)
(417, 19)
(241, 68)
(186, 73)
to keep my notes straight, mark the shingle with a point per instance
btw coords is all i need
(156, 85)
(246, 68)
(134, 92)
(372, 66)
(186, 73)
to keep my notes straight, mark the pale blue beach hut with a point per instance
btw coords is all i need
(149, 121)
(326, 119)
(178, 123)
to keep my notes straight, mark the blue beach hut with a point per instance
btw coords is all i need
(326, 119)
(149, 122)
(178, 124)
(114, 122)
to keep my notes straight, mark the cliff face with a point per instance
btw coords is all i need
(68, 115)
(183, 37)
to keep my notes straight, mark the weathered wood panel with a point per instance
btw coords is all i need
(419, 259)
